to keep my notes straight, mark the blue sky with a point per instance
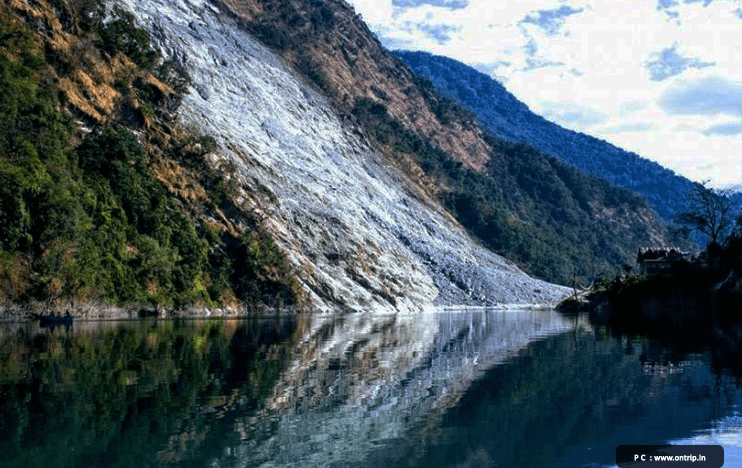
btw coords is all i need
(662, 78)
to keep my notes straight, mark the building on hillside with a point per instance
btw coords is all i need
(653, 260)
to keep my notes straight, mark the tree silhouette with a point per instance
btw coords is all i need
(709, 213)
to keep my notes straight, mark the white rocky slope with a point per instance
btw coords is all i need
(361, 235)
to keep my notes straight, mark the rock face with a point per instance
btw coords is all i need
(331, 42)
(361, 235)
(535, 210)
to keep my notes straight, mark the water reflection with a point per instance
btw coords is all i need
(129, 394)
(570, 402)
(443, 389)
(366, 383)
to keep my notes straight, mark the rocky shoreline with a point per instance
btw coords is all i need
(96, 311)
(100, 311)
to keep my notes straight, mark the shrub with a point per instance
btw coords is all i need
(306, 64)
(121, 35)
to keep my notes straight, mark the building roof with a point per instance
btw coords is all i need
(661, 254)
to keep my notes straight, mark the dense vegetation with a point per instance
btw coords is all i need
(93, 222)
(289, 30)
(712, 281)
(503, 115)
(529, 207)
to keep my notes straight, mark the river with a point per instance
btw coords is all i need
(457, 388)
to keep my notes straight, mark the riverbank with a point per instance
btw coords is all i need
(97, 311)
(690, 311)
(682, 294)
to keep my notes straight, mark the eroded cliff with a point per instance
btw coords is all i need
(256, 155)
(360, 234)
(544, 215)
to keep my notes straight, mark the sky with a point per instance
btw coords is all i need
(661, 78)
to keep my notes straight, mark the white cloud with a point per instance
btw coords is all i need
(572, 114)
(376, 14)
(630, 107)
(629, 127)
(724, 129)
(450, 4)
(707, 96)
(551, 21)
(668, 63)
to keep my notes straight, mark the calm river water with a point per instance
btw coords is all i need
(444, 389)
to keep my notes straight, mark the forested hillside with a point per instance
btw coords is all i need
(546, 216)
(505, 116)
(84, 215)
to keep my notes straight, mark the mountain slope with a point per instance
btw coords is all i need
(357, 231)
(309, 156)
(483, 180)
(505, 116)
(103, 199)
(257, 159)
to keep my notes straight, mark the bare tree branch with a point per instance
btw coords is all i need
(710, 213)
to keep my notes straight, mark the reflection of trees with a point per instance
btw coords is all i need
(117, 396)
(464, 389)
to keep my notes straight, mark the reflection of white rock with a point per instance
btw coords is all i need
(334, 404)
(361, 236)
(353, 357)
(726, 432)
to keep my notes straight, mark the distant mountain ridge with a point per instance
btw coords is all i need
(504, 115)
